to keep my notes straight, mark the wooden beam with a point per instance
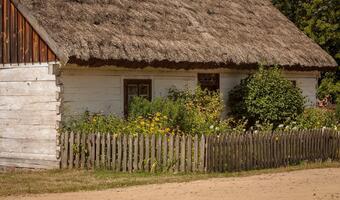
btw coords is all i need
(1, 30)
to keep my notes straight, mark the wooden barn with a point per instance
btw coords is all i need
(59, 58)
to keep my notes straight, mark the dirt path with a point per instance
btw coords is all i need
(317, 184)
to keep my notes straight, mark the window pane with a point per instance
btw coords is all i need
(133, 89)
(144, 90)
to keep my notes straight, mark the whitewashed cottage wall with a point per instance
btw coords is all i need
(101, 89)
(28, 116)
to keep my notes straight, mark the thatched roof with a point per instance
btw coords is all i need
(220, 32)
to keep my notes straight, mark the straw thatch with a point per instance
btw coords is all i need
(220, 32)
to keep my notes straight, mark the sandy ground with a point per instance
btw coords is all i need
(317, 184)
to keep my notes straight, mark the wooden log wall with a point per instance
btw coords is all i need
(19, 43)
(228, 152)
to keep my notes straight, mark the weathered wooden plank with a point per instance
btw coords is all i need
(13, 34)
(6, 32)
(130, 153)
(177, 150)
(135, 153)
(202, 151)
(64, 149)
(159, 152)
(165, 152)
(35, 49)
(1, 30)
(102, 151)
(89, 150)
(114, 153)
(125, 152)
(189, 156)
(119, 154)
(108, 152)
(43, 51)
(21, 57)
(83, 150)
(41, 88)
(98, 136)
(171, 153)
(141, 153)
(183, 153)
(196, 149)
(77, 147)
(147, 154)
(153, 152)
(71, 148)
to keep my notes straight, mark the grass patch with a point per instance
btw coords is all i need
(56, 181)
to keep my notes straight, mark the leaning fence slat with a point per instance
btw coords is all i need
(182, 163)
(89, 150)
(113, 152)
(165, 152)
(77, 153)
(125, 152)
(71, 147)
(119, 153)
(159, 151)
(108, 152)
(135, 153)
(202, 154)
(63, 148)
(97, 150)
(102, 152)
(147, 154)
(177, 150)
(153, 152)
(83, 147)
(195, 163)
(130, 153)
(141, 153)
(171, 153)
(189, 156)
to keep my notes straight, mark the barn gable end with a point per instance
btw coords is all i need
(20, 42)
(29, 94)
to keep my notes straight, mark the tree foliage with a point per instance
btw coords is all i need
(266, 97)
(319, 19)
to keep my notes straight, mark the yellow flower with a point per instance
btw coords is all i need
(158, 114)
(165, 117)
(156, 119)
(167, 130)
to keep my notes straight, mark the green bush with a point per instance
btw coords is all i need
(337, 109)
(329, 86)
(266, 97)
(315, 118)
(189, 112)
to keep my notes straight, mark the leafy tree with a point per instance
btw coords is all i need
(319, 19)
(266, 97)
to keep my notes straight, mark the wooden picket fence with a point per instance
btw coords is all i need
(219, 153)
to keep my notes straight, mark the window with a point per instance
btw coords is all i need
(209, 81)
(134, 88)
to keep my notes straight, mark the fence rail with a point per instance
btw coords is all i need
(174, 153)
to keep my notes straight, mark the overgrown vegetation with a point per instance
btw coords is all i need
(266, 97)
(264, 101)
(182, 112)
